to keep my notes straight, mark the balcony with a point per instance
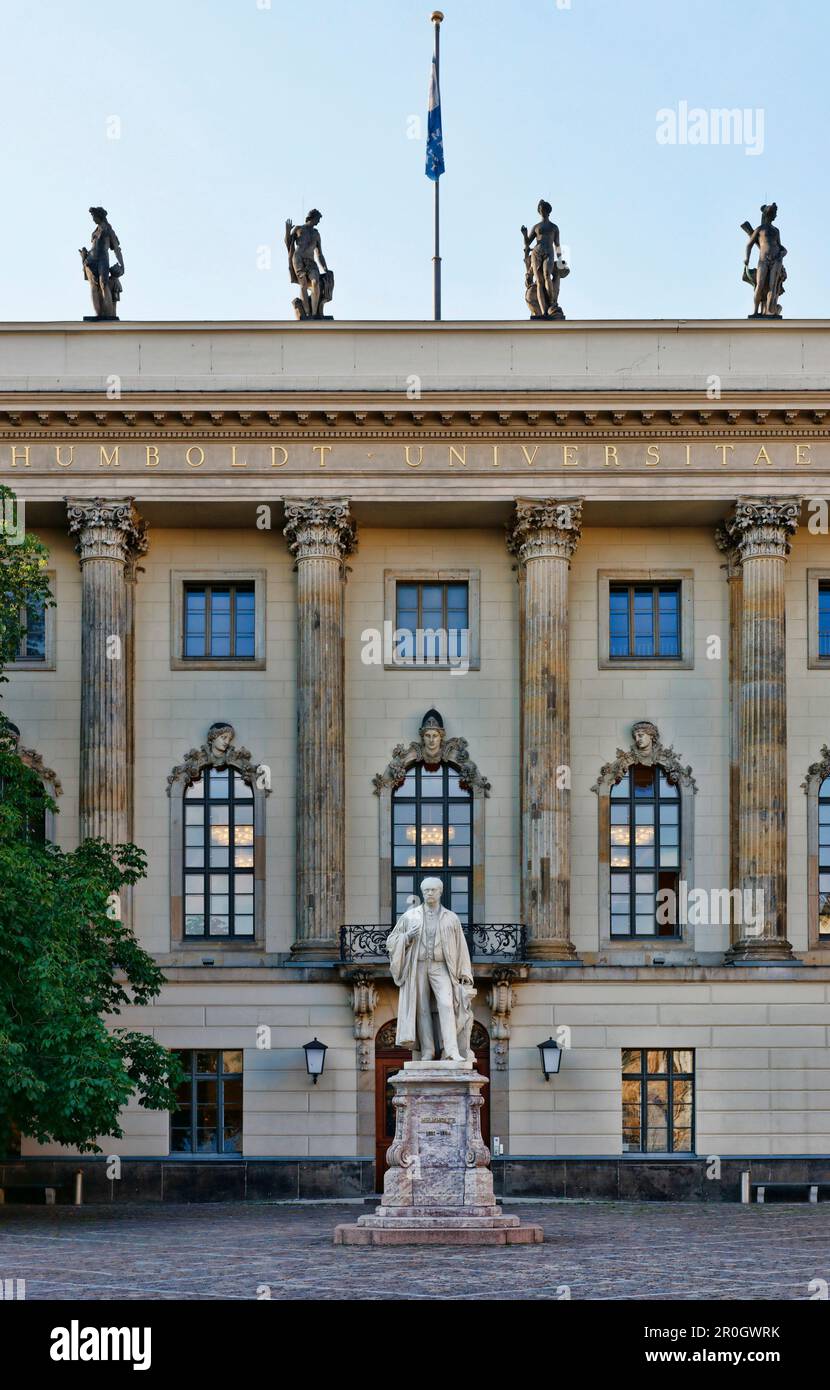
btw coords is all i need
(491, 943)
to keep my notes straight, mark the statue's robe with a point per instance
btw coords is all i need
(403, 956)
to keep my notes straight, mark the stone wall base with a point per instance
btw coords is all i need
(610, 1178)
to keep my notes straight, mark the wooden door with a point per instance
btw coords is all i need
(388, 1060)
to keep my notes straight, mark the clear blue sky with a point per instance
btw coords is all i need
(234, 117)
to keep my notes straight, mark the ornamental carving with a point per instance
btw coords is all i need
(107, 530)
(219, 751)
(545, 529)
(501, 1006)
(364, 1003)
(432, 748)
(645, 749)
(31, 758)
(315, 528)
(817, 772)
(760, 527)
(385, 1040)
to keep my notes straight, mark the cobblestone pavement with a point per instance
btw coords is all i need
(600, 1250)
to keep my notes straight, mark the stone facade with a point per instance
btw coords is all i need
(300, 457)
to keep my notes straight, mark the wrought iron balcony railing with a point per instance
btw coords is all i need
(488, 941)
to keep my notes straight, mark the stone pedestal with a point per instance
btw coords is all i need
(438, 1189)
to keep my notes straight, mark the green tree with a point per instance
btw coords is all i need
(66, 958)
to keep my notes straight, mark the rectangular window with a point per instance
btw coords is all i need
(658, 1100)
(824, 620)
(219, 853)
(644, 621)
(208, 1117)
(432, 622)
(220, 621)
(32, 645)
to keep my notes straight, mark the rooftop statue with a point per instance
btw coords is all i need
(305, 264)
(768, 276)
(544, 266)
(104, 279)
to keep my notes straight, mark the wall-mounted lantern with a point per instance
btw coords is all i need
(550, 1054)
(315, 1058)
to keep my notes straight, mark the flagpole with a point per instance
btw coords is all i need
(437, 17)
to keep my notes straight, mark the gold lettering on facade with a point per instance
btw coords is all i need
(283, 461)
(688, 455)
(106, 460)
(189, 461)
(802, 458)
(495, 455)
(611, 456)
(59, 461)
(23, 452)
(652, 455)
(322, 450)
(567, 461)
(530, 457)
(408, 460)
(460, 454)
(723, 448)
(763, 453)
(234, 464)
(152, 456)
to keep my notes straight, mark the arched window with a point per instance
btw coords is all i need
(432, 799)
(817, 787)
(217, 843)
(432, 834)
(646, 841)
(644, 852)
(42, 827)
(219, 855)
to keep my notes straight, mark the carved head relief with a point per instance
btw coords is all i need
(646, 737)
(432, 737)
(220, 738)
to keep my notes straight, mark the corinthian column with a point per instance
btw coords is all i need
(734, 578)
(320, 535)
(760, 529)
(111, 536)
(543, 535)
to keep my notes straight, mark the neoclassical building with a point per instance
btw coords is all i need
(543, 610)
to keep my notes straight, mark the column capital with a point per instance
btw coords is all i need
(544, 528)
(107, 528)
(319, 528)
(759, 527)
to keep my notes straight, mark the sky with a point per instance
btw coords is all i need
(201, 125)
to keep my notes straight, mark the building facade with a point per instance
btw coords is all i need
(544, 610)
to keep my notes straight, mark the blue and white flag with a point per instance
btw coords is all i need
(435, 139)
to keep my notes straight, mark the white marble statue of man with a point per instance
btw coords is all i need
(429, 959)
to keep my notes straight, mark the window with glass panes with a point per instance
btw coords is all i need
(32, 645)
(219, 620)
(645, 851)
(658, 1100)
(824, 859)
(208, 1114)
(644, 621)
(435, 620)
(432, 831)
(824, 619)
(219, 855)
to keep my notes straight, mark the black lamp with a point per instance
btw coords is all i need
(315, 1058)
(550, 1054)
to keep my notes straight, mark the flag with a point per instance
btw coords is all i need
(435, 140)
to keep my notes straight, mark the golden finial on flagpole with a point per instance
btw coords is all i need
(436, 16)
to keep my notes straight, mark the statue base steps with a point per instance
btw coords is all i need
(438, 1189)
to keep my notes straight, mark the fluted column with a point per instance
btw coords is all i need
(760, 529)
(734, 579)
(111, 535)
(543, 536)
(320, 535)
